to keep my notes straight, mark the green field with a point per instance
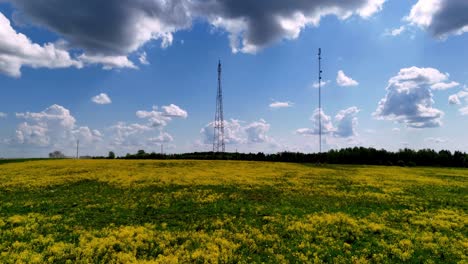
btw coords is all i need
(120, 211)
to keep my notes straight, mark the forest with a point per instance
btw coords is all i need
(356, 155)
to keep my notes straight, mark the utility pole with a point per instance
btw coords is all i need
(218, 140)
(320, 98)
(77, 149)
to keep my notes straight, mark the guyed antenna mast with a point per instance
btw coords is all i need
(320, 98)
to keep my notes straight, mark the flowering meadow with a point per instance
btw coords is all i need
(125, 211)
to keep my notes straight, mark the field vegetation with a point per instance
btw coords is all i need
(124, 211)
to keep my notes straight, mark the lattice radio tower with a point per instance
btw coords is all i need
(320, 98)
(218, 140)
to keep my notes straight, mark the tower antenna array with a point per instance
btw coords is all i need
(320, 98)
(218, 140)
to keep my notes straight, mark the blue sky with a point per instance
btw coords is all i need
(122, 80)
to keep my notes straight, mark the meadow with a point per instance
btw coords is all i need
(128, 211)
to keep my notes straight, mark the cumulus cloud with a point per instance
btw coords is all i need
(158, 118)
(163, 137)
(86, 135)
(135, 136)
(253, 25)
(127, 134)
(86, 24)
(3, 115)
(343, 80)
(322, 84)
(346, 122)
(142, 58)
(344, 125)
(460, 98)
(257, 132)
(409, 98)
(101, 98)
(440, 17)
(454, 99)
(396, 31)
(173, 110)
(17, 50)
(55, 126)
(278, 104)
(155, 117)
(85, 27)
(235, 132)
(108, 62)
(444, 86)
(317, 117)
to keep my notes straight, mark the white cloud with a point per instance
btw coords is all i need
(237, 133)
(326, 124)
(124, 133)
(17, 50)
(464, 110)
(343, 80)
(323, 84)
(396, 31)
(422, 12)
(163, 137)
(396, 129)
(155, 117)
(53, 127)
(142, 58)
(108, 62)
(436, 140)
(3, 115)
(173, 110)
(440, 17)
(346, 122)
(160, 119)
(277, 104)
(460, 98)
(101, 98)
(257, 132)
(233, 132)
(409, 98)
(131, 137)
(444, 86)
(128, 26)
(454, 99)
(138, 135)
(86, 135)
(32, 134)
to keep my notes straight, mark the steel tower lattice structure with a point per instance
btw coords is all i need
(218, 140)
(320, 98)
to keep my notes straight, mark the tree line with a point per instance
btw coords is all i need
(356, 155)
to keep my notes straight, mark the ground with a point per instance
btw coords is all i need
(121, 211)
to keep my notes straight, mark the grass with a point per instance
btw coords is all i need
(230, 212)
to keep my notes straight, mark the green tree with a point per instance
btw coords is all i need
(111, 155)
